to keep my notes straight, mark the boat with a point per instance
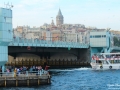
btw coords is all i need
(105, 61)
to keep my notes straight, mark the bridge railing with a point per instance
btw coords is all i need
(36, 42)
(23, 73)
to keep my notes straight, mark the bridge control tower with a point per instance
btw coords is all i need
(6, 33)
(100, 42)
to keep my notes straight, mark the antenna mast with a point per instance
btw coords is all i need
(8, 5)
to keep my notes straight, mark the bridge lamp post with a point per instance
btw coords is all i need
(65, 36)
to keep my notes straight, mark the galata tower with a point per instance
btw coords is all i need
(59, 18)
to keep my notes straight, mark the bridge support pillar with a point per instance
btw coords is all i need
(3, 56)
(3, 68)
(106, 51)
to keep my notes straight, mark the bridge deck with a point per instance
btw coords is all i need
(45, 43)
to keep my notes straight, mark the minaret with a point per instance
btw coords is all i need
(52, 23)
(59, 18)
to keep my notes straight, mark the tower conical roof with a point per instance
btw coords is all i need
(59, 13)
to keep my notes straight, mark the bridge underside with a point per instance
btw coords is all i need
(45, 54)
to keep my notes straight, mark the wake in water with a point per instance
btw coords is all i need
(83, 68)
(71, 69)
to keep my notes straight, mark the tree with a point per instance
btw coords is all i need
(116, 41)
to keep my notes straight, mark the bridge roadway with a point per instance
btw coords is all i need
(45, 43)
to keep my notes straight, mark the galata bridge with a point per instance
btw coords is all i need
(16, 51)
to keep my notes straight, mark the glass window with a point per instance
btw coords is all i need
(114, 61)
(118, 61)
(8, 20)
(90, 36)
(97, 36)
(106, 62)
(110, 61)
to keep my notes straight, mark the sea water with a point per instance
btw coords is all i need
(78, 79)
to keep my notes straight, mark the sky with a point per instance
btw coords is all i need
(101, 14)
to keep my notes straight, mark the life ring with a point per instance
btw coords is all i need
(101, 67)
(110, 67)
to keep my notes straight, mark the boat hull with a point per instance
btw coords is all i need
(104, 67)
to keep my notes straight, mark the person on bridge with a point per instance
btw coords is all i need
(39, 68)
(46, 67)
(15, 71)
(1, 72)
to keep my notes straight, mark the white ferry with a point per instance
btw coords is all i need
(105, 61)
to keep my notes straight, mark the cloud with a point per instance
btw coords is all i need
(34, 2)
(33, 11)
(98, 13)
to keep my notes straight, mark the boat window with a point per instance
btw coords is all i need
(115, 61)
(98, 62)
(94, 61)
(105, 62)
(118, 61)
(110, 61)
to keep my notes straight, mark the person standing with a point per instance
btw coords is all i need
(46, 69)
(15, 71)
(1, 72)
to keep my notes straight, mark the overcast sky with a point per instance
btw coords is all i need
(94, 13)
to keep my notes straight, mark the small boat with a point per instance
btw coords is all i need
(104, 61)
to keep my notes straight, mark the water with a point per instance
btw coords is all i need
(79, 79)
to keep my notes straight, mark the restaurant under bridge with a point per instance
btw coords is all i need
(54, 57)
